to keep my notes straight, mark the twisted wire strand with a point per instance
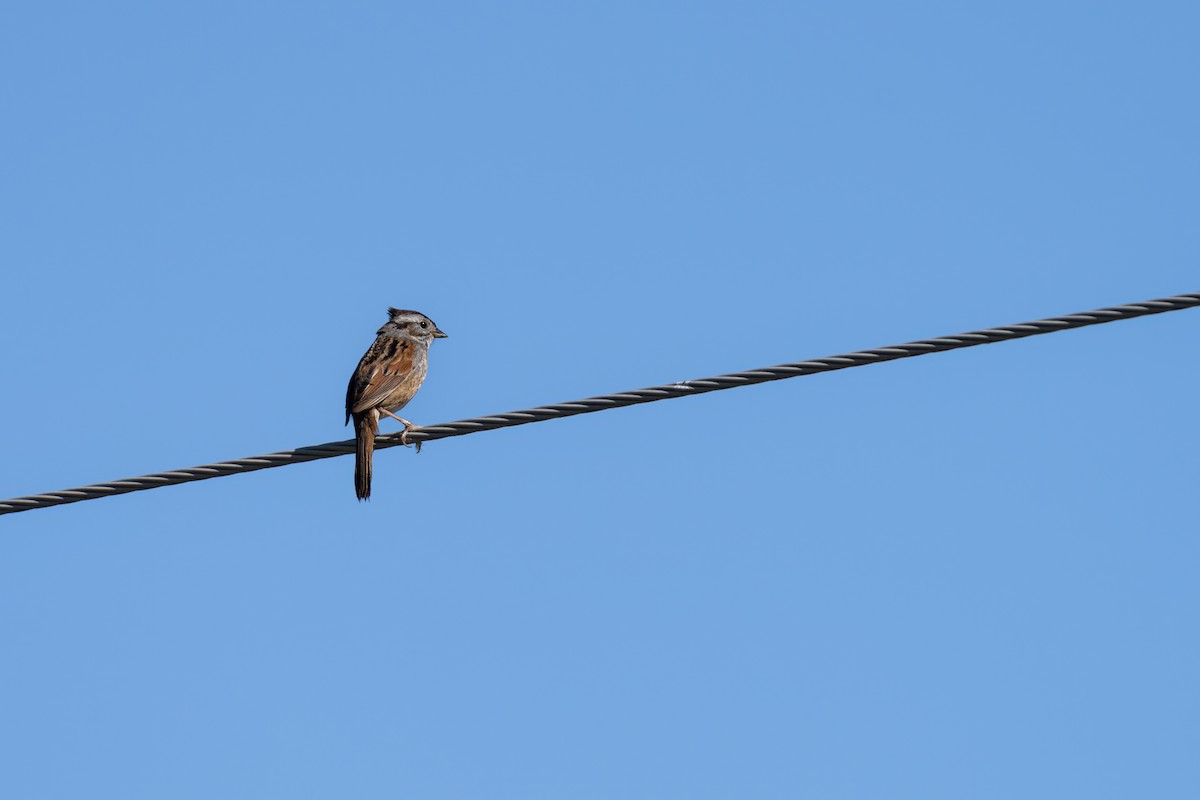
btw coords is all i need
(604, 402)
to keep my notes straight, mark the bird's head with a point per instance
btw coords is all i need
(411, 325)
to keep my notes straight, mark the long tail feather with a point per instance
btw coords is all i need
(366, 425)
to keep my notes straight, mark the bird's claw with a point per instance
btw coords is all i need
(404, 437)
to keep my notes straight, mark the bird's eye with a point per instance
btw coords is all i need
(424, 325)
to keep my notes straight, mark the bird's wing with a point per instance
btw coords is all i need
(386, 365)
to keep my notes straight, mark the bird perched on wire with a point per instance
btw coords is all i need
(387, 377)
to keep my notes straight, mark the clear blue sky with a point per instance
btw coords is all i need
(971, 575)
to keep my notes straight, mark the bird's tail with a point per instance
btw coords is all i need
(366, 425)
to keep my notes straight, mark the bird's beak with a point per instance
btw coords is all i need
(437, 334)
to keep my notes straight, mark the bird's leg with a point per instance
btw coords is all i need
(401, 420)
(408, 426)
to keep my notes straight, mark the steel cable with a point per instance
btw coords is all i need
(605, 402)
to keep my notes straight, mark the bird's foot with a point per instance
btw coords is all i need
(408, 426)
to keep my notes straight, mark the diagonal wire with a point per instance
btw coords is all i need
(603, 402)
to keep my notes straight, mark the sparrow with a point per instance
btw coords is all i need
(387, 377)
